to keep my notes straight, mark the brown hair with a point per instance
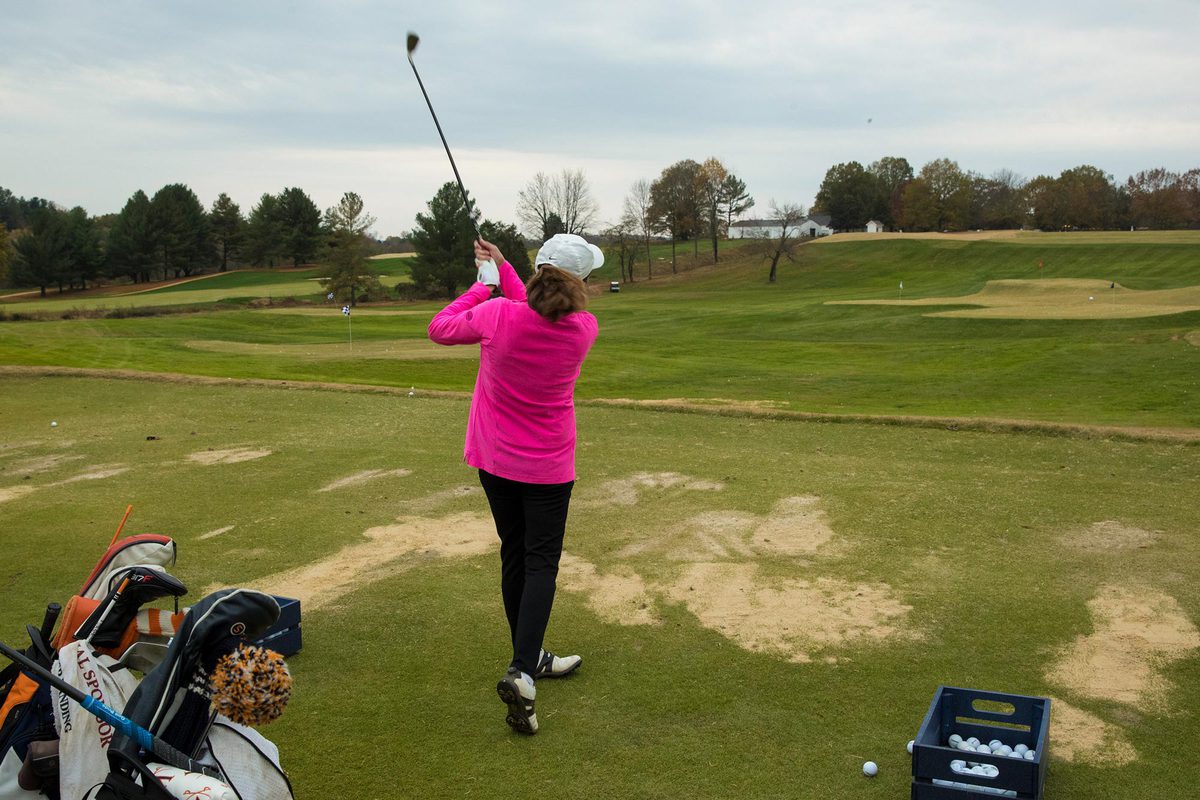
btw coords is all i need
(554, 293)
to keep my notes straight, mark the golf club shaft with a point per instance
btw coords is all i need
(449, 155)
(123, 724)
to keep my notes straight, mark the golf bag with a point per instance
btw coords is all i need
(26, 720)
(173, 704)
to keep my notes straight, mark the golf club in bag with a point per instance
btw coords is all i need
(413, 41)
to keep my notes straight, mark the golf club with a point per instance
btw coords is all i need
(124, 725)
(413, 41)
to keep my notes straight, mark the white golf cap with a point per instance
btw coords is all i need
(570, 253)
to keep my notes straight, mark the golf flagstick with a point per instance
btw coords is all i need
(124, 725)
(349, 327)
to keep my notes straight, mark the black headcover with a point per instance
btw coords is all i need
(172, 701)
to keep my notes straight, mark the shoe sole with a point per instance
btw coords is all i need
(562, 674)
(518, 718)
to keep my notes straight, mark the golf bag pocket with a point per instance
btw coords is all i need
(25, 717)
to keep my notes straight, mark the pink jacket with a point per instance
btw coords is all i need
(522, 420)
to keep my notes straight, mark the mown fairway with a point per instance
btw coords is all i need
(762, 604)
(727, 334)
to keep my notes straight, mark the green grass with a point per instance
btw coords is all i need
(394, 688)
(727, 333)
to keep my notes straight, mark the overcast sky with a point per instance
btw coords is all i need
(98, 100)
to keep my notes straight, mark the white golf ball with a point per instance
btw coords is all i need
(973, 742)
(870, 769)
(410, 394)
(1020, 749)
(53, 424)
(995, 744)
(911, 742)
(958, 765)
(955, 740)
(1091, 298)
(983, 748)
(1030, 755)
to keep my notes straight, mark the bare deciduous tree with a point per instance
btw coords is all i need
(783, 245)
(637, 215)
(566, 196)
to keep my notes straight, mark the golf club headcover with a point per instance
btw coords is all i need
(191, 785)
(133, 587)
(250, 685)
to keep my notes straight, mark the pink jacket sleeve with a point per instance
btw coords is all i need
(510, 283)
(459, 322)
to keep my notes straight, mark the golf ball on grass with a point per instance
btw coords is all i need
(870, 769)
(54, 424)
(911, 742)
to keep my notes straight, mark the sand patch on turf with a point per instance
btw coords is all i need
(94, 474)
(1110, 536)
(44, 464)
(1136, 632)
(1055, 298)
(793, 618)
(796, 526)
(234, 455)
(360, 478)
(216, 532)
(388, 550)
(13, 492)
(1193, 338)
(438, 499)
(1085, 738)
(628, 491)
(401, 349)
(619, 596)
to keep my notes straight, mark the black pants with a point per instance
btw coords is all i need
(530, 520)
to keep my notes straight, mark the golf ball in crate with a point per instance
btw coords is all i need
(911, 742)
(870, 769)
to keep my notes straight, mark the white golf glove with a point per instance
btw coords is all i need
(489, 273)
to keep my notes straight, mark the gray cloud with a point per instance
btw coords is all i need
(100, 100)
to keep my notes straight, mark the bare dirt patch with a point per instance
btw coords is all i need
(1136, 632)
(400, 349)
(627, 491)
(438, 499)
(13, 492)
(233, 455)
(94, 474)
(44, 464)
(216, 532)
(386, 551)
(1055, 298)
(1193, 338)
(1110, 536)
(619, 596)
(1080, 737)
(793, 618)
(797, 526)
(360, 478)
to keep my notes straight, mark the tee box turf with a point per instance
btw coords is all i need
(284, 636)
(1011, 718)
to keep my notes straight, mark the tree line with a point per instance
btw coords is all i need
(171, 235)
(943, 196)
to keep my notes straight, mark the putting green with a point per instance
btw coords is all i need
(1055, 298)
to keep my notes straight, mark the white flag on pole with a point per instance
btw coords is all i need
(901, 284)
(329, 296)
(346, 310)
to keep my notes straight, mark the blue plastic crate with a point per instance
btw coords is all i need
(1011, 718)
(284, 636)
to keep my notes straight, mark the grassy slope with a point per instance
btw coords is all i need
(394, 686)
(726, 333)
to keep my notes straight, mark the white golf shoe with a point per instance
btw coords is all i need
(518, 693)
(552, 666)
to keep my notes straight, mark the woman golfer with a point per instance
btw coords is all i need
(521, 433)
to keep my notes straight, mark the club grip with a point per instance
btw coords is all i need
(145, 739)
(52, 612)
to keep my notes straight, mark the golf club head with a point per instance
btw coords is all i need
(413, 41)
